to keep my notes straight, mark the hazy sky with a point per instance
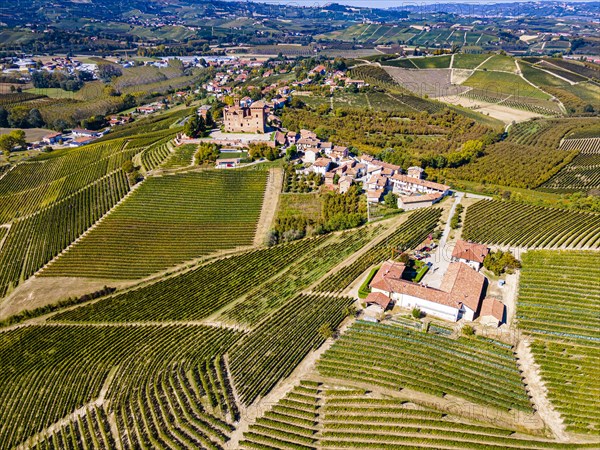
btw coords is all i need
(386, 3)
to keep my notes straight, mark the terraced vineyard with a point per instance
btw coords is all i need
(150, 374)
(559, 300)
(274, 349)
(155, 154)
(167, 221)
(36, 239)
(323, 415)
(395, 357)
(520, 225)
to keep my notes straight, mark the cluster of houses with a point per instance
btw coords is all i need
(460, 296)
(60, 64)
(76, 138)
(377, 177)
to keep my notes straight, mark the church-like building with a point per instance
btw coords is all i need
(245, 119)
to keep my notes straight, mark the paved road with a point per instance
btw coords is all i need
(443, 253)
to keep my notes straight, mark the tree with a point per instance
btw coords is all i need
(3, 118)
(207, 153)
(326, 331)
(416, 313)
(500, 262)
(17, 118)
(35, 118)
(194, 127)
(107, 72)
(15, 138)
(468, 330)
(391, 200)
(6, 144)
(128, 166)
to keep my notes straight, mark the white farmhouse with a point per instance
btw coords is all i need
(470, 253)
(459, 296)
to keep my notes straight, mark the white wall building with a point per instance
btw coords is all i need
(459, 296)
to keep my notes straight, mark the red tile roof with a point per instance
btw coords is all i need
(461, 285)
(464, 285)
(470, 251)
(492, 307)
(389, 270)
(379, 299)
(419, 182)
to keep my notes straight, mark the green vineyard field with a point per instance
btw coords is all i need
(565, 330)
(35, 240)
(281, 344)
(427, 363)
(194, 294)
(144, 371)
(520, 225)
(49, 179)
(167, 221)
(321, 416)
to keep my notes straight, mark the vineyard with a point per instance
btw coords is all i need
(395, 357)
(36, 239)
(564, 329)
(314, 263)
(194, 294)
(520, 225)
(165, 386)
(281, 344)
(543, 107)
(183, 156)
(47, 180)
(318, 415)
(410, 234)
(155, 154)
(581, 174)
(167, 221)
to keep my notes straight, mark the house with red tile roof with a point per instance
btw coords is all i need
(492, 312)
(470, 253)
(459, 296)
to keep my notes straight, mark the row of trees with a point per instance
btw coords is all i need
(21, 117)
(42, 79)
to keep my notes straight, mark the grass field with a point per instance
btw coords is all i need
(167, 221)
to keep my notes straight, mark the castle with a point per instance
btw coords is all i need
(248, 119)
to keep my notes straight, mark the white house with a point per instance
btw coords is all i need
(470, 253)
(411, 202)
(459, 295)
(321, 166)
(405, 185)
